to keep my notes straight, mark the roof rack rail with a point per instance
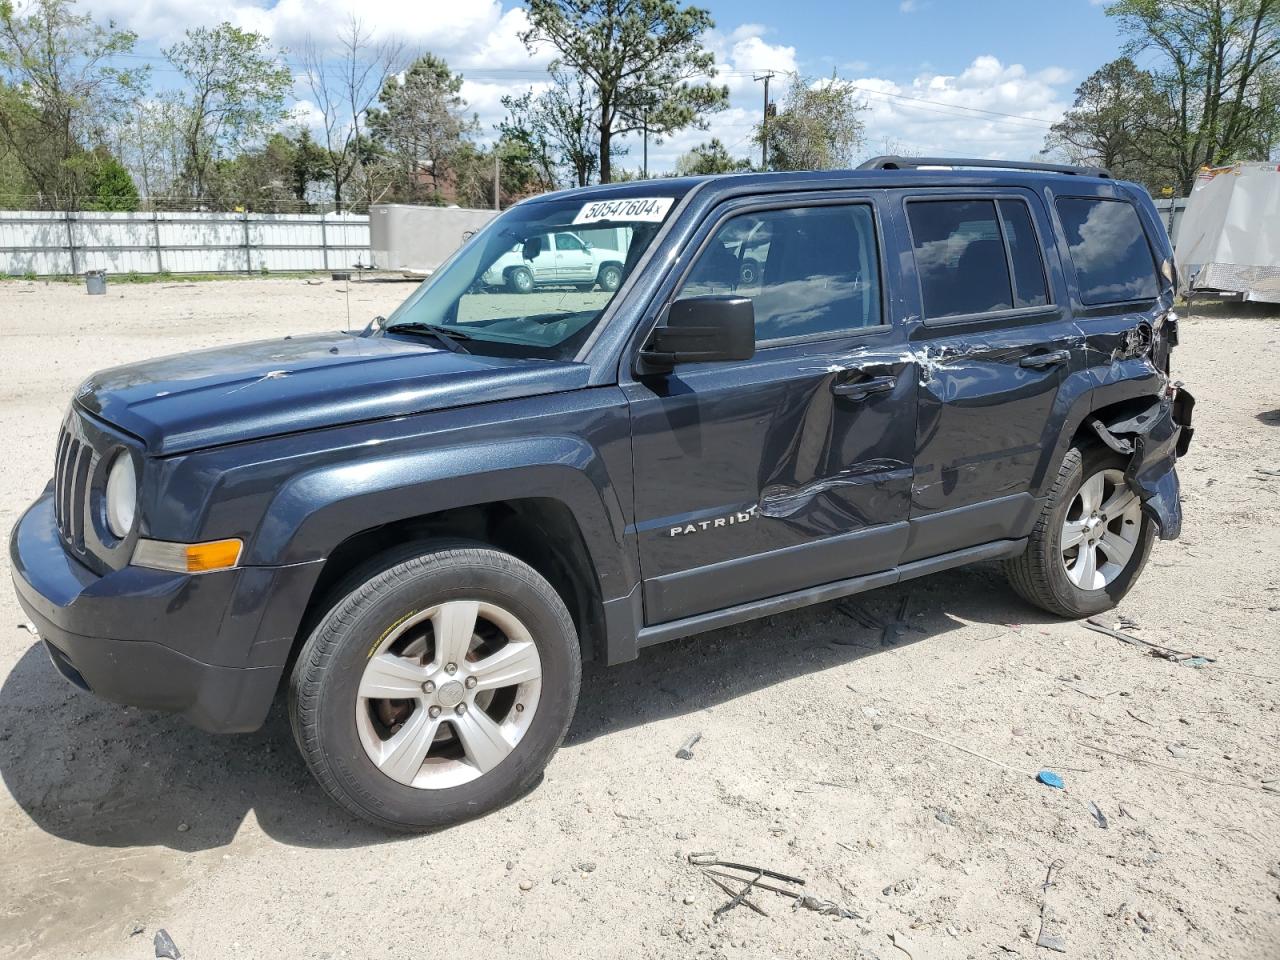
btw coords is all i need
(915, 163)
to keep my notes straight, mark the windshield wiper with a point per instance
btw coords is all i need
(446, 336)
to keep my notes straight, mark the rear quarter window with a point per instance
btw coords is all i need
(1109, 250)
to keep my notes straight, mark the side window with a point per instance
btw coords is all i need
(567, 241)
(1024, 254)
(1109, 249)
(809, 271)
(960, 257)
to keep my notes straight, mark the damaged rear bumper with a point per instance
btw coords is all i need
(1154, 440)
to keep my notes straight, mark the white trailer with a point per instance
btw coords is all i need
(414, 240)
(1229, 238)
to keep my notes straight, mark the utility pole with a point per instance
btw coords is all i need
(764, 120)
(497, 180)
(644, 125)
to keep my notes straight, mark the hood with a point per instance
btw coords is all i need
(272, 387)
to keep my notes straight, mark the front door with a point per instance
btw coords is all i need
(754, 479)
(573, 262)
(996, 344)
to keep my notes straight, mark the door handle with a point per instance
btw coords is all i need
(1039, 361)
(861, 389)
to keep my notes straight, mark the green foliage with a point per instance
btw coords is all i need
(59, 86)
(709, 158)
(1216, 65)
(420, 126)
(642, 60)
(1114, 123)
(235, 93)
(817, 127)
(109, 187)
(555, 129)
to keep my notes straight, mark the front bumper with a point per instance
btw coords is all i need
(210, 647)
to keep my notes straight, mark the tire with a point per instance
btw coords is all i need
(1054, 579)
(584, 287)
(520, 280)
(610, 277)
(407, 610)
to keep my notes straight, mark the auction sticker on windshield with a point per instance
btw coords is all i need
(632, 208)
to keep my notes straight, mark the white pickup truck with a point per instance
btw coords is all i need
(555, 259)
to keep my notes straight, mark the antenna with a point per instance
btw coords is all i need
(346, 284)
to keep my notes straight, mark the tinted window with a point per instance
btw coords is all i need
(1109, 249)
(567, 241)
(1024, 253)
(808, 271)
(960, 257)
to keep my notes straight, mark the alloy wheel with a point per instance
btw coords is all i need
(1101, 530)
(448, 693)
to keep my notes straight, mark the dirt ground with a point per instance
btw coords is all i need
(113, 819)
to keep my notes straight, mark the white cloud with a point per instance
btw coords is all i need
(990, 109)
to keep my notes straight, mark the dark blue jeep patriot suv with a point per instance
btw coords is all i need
(776, 390)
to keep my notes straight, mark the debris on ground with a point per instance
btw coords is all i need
(1154, 649)
(893, 631)
(1098, 815)
(902, 943)
(1050, 779)
(870, 712)
(1049, 938)
(686, 749)
(30, 628)
(165, 947)
(731, 873)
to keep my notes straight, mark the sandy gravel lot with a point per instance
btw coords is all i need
(112, 819)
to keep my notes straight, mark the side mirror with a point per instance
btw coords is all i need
(702, 330)
(532, 248)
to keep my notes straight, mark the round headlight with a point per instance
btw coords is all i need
(122, 495)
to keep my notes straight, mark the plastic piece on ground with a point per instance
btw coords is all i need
(1050, 779)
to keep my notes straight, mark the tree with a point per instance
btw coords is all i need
(312, 163)
(1116, 122)
(708, 158)
(150, 143)
(59, 85)
(235, 93)
(109, 185)
(1216, 67)
(643, 59)
(344, 88)
(556, 127)
(817, 126)
(420, 123)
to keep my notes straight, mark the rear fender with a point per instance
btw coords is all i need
(1154, 440)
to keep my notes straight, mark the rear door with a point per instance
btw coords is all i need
(996, 344)
(792, 469)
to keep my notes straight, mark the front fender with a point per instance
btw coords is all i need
(316, 510)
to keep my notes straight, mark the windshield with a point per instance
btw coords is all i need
(537, 279)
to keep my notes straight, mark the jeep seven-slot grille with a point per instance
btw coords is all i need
(70, 478)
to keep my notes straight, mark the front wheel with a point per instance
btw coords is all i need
(610, 277)
(437, 688)
(1091, 542)
(520, 280)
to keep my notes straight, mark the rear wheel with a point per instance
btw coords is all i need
(437, 688)
(520, 280)
(1091, 542)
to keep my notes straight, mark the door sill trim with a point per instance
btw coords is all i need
(741, 613)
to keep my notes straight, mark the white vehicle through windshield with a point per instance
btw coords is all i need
(563, 258)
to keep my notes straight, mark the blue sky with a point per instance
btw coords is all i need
(974, 77)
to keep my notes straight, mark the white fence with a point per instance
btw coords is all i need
(59, 244)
